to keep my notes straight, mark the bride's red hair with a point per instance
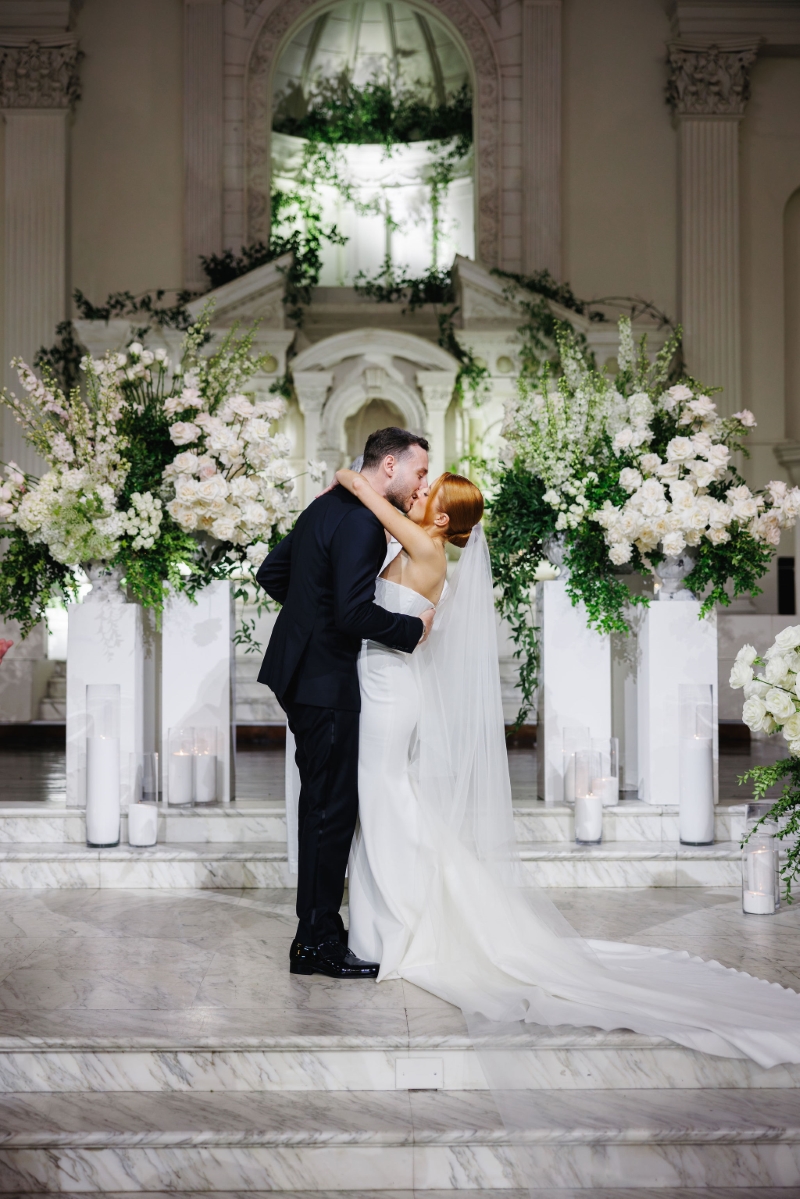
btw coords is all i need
(461, 500)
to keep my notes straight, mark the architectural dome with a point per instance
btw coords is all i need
(369, 39)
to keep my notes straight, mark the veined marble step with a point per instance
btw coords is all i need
(208, 865)
(344, 1049)
(415, 1140)
(248, 820)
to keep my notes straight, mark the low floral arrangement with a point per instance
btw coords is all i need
(772, 705)
(611, 476)
(131, 493)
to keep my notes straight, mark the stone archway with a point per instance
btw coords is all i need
(279, 21)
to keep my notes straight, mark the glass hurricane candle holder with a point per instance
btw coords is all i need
(102, 765)
(180, 779)
(606, 784)
(761, 880)
(205, 765)
(696, 760)
(575, 738)
(588, 804)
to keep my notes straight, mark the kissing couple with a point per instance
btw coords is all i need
(388, 674)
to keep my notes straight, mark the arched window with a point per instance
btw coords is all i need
(372, 138)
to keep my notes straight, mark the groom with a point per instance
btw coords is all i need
(323, 573)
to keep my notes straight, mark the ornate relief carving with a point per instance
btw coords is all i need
(486, 117)
(709, 80)
(37, 76)
(250, 7)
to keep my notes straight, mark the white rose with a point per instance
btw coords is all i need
(791, 729)
(672, 544)
(746, 417)
(669, 470)
(747, 654)
(794, 749)
(223, 529)
(186, 463)
(680, 449)
(215, 488)
(719, 456)
(257, 552)
(755, 688)
(788, 638)
(620, 552)
(186, 489)
(184, 516)
(650, 463)
(630, 479)
(779, 703)
(244, 488)
(768, 724)
(703, 408)
(753, 713)
(718, 536)
(740, 674)
(623, 439)
(776, 670)
(184, 431)
(680, 393)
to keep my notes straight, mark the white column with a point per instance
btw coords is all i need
(675, 647)
(574, 682)
(104, 646)
(311, 388)
(708, 91)
(541, 133)
(35, 289)
(197, 676)
(436, 388)
(203, 131)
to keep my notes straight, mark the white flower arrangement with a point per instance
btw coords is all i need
(772, 698)
(231, 479)
(73, 508)
(669, 504)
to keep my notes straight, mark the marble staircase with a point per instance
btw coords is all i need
(243, 845)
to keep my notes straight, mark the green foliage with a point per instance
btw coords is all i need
(742, 561)
(785, 812)
(63, 358)
(30, 578)
(149, 305)
(518, 525)
(338, 112)
(393, 284)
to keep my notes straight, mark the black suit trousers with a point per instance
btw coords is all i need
(327, 758)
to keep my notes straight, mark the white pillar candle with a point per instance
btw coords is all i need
(142, 824)
(181, 783)
(761, 870)
(696, 817)
(756, 904)
(102, 790)
(588, 818)
(205, 778)
(607, 787)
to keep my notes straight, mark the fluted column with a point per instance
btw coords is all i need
(708, 90)
(203, 130)
(541, 136)
(38, 85)
(311, 389)
(437, 392)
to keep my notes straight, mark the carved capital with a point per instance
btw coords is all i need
(34, 75)
(709, 81)
(437, 389)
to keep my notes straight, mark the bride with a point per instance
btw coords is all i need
(436, 891)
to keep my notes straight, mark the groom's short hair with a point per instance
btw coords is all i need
(390, 441)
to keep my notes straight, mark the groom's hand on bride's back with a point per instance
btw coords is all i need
(427, 623)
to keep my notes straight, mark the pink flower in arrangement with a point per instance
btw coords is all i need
(5, 646)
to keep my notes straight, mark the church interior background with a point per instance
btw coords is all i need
(597, 157)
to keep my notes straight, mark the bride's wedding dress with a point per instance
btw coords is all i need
(435, 890)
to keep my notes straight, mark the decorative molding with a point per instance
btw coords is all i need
(776, 23)
(541, 132)
(788, 455)
(709, 80)
(39, 75)
(203, 134)
(266, 44)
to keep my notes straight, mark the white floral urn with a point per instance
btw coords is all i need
(671, 574)
(106, 584)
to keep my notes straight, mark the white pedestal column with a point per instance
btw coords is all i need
(575, 682)
(104, 645)
(197, 675)
(675, 647)
(437, 392)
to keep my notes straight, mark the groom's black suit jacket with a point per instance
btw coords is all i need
(324, 574)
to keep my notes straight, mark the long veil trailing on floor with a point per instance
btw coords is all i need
(501, 950)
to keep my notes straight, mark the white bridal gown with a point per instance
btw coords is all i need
(435, 890)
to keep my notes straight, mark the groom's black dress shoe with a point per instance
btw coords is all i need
(331, 958)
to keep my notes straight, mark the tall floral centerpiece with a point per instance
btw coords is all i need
(633, 473)
(134, 494)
